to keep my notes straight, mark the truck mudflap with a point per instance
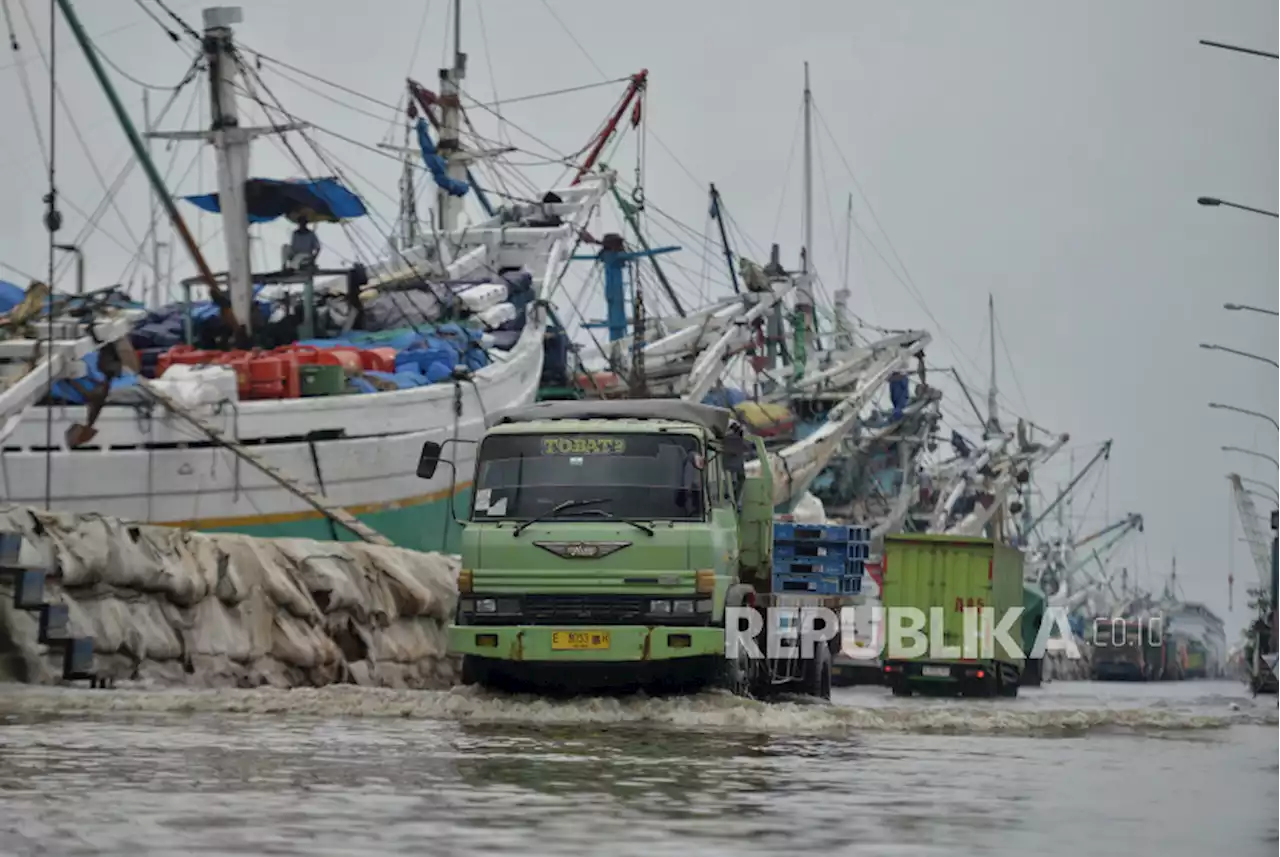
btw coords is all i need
(588, 643)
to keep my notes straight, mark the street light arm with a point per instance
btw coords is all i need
(1210, 347)
(1262, 484)
(1238, 49)
(1251, 452)
(1213, 201)
(1258, 414)
(1250, 308)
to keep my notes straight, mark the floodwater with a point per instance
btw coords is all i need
(1172, 769)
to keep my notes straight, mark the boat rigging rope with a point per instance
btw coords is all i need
(59, 98)
(52, 221)
(25, 81)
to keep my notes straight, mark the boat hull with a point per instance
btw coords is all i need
(422, 523)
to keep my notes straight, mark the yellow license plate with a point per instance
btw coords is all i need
(579, 640)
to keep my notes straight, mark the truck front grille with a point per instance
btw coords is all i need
(581, 610)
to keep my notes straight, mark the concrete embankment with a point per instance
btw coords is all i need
(175, 607)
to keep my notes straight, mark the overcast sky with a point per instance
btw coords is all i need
(1047, 153)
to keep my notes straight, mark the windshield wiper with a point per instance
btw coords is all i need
(639, 526)
(557, 509)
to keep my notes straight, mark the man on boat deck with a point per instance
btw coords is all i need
(304, 248)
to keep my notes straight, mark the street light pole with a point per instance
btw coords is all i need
(1222, 407)
(1251, 452)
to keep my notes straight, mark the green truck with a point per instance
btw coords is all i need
(942, 576)
(604, 545)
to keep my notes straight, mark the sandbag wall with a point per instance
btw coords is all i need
(175, 607)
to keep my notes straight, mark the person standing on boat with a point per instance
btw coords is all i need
(304, 248)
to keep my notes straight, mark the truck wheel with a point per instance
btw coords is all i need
(734, 675)
(474, 670)
(900, 689)
(1007, 685)
(817, 672)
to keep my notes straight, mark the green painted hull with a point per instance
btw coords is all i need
(422, 526)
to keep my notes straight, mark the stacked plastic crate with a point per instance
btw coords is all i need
(819, 559)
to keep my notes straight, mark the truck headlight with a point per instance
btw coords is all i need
(682, 608)
(663, 607)
(486, 605)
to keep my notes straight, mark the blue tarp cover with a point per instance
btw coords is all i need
(10, 295)
(318, 201)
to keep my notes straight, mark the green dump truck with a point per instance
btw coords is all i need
(936, 579)
(605, 545)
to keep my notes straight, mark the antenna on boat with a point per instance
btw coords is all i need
(232, 144)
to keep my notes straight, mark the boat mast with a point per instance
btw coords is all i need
(449, 207)
(154, 299)
(805, 296)
(408, 202)
(231, 143)
(993, 418)
(843, 340)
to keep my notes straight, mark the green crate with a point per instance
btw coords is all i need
(322, 380)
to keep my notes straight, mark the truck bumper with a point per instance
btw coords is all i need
(626, 643)
(943, 676)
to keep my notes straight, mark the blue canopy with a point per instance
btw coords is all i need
(10, 295)
(318, 201)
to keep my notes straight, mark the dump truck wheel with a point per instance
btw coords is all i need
(817, 672)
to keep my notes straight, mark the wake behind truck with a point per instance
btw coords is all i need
(604, 543)
(950, 574)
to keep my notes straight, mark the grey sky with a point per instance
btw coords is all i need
(1048, 153)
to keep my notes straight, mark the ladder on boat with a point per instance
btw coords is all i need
(30, 366)
(313, 499)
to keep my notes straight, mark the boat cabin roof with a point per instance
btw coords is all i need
(712, 419)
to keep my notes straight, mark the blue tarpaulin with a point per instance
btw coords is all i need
(10, 295)
(318, 201)
(436, 164)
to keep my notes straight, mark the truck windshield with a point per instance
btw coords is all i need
(644, 476)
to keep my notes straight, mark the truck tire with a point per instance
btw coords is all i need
(1032, 673)
(817, 673)
(1007, 682)
(900, 688)
(474, 671)
(734, 675)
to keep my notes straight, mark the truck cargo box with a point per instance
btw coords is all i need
(953, 573)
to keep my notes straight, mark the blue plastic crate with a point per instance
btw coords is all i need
(814, 584)
(805, 550)
(792, 532)
(821, 565)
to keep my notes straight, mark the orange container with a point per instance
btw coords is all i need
(304, 355)
(267, 376)
(186, 355)
(292, 377)
(378, 359)
(239, 362)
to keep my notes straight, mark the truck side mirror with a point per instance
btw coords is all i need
(429, 460)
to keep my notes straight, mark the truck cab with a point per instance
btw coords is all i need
(600, 544)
